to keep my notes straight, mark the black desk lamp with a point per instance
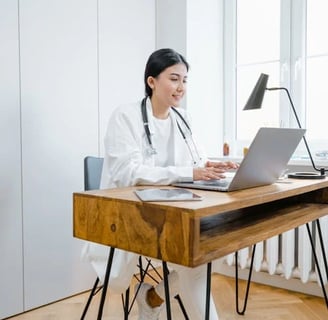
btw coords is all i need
(255, 102)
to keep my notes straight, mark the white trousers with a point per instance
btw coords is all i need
(192, 281)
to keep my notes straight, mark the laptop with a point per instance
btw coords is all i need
(265, 161)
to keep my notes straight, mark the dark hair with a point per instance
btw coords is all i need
(158, 61)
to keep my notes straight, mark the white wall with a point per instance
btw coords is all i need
(171, 25)
(194, 28)
(65, 64)
(126, 39)
(205, 88)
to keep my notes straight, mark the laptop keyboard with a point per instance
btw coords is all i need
(220, 182)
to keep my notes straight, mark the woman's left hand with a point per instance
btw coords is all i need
(226, 165)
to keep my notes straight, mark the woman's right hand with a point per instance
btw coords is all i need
(208, 173)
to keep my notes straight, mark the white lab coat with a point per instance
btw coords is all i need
(127, 159)
(128, 162)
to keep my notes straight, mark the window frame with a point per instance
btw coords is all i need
(292, 68)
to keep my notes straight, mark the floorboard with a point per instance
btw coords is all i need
(265, 303)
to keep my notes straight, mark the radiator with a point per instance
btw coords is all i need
(288, 255)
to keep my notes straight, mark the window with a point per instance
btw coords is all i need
(279, 38)
(316, 70)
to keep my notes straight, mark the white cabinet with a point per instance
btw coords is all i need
(59, 107)
(65, 64)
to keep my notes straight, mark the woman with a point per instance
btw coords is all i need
(149, 143)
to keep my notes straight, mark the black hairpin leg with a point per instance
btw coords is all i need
(208, 291)
(143, 273)
(316, 258)
(242, 312)
(126, 304)
(106, 280)
(183, 309)
(177, 297)
(322, 247)
(92, 294)
(167, 290)
(167, 297)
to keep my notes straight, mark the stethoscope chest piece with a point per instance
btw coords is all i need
(151, 151)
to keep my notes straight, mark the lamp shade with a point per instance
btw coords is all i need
(256, 97)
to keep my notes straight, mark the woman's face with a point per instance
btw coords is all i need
(169, 86)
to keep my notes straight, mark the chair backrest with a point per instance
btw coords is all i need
(92, 172)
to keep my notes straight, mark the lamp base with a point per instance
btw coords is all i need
(306, 175)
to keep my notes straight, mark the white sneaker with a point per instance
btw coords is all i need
(146, 312)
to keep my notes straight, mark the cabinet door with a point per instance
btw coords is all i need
(11, 258)
(57, 83)
(66, 47)
(59, 94)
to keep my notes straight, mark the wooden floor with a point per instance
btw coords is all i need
(265, 303)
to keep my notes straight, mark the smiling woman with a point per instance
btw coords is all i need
(149, 143)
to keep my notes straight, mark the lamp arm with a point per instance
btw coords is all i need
(321, 170)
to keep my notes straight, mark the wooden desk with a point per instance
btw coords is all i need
(194, 233)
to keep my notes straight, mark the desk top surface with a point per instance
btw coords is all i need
(196, 232)
(215, 201)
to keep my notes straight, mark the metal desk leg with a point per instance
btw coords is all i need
(126, 304)
(143, 271)
(167, 290)
(183, 310)
(106, 280)
(242, 312)
(316, 258)
(208, 291)
(322, 247)
(93, 292)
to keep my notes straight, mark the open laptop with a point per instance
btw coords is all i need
(265, 161)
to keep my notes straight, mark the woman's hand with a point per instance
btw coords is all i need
(213, 170)
(227, 165)
(208, 173)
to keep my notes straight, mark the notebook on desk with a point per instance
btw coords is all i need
(265, 161)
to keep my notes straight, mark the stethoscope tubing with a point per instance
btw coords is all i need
(148, 134)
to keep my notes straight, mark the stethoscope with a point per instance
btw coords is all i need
(152, 150)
